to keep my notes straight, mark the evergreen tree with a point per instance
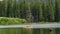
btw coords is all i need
(18, 8)
(5, 7)
(28, 13)
(57, 10)
(23, 10)
(31, 9)
(9, 8)
(50, 11)
(15, 9)
(0, 8)
(40, 11)
(35, 10)
(45, 9)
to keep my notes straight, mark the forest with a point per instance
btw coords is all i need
(32, 11)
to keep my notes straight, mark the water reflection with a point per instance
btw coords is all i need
(30, 31)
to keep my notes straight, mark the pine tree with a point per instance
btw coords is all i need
(3, 8)
(5, 4)
(32, 4)
(50, 11)
(12, 7)
(35, 10)
(18, 8)
(9, 8)
(28, 13)
(40, 11)
(23, 10)
(0, 8)
(57, 10)
(45, 9)
(15, 9)
(58, 2)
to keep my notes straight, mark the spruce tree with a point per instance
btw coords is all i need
(58, 2)
(32, 4)
(0, 8)
(9, 8)
(40, 11)
(57, 10)
(18, 8)
(45, 9)
(23, 10)
(5, 5)
(50, 11)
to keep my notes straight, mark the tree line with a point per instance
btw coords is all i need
(32, 11)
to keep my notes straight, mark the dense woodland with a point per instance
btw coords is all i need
(32, 11)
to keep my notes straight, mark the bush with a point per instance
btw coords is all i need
(8, 21)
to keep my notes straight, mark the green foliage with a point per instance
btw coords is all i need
(8, 21)
(57, 11)
(32, 11)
